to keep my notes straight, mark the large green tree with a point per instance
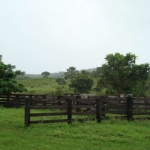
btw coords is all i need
(8, 83)
(71, 73)
(82, 83)
(121, 74)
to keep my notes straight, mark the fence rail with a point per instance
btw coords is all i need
(70, 108)
(16, 100)
(96, 108)
(67, 107)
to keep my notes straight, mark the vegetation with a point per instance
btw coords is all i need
(71, 73)
(82, 83)
(61, 81)
(96, 73)
(8, 83)
(44, 86)
(45, 74)
(121, 74)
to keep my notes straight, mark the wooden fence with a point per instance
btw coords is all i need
(16, 100)
(67, 107)
(96, 108)
(72, 108)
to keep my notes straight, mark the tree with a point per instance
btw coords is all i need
(82, 83)
(8, 83)
(96, 73)
(84, 73)
(71, 73)
(20, 73)
(121, 74)
(61, 81)
(45, 74)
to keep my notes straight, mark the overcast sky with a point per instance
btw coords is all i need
(52, 35)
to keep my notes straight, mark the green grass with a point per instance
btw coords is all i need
(50, 86)
(108, 135)
(43, 86)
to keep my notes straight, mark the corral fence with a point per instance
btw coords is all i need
(17, 100)
(69, 108)
(73, 108)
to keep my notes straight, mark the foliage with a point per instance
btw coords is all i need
(61, 81)
(44, 86)
(19, 73)
(96, 73)
(84, 73)
(8, 83)
(82, 83)
(45, 74)
(121, 74)
(71, 73)
(142, 89)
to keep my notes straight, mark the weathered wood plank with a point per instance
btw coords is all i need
(84, 113)
(48, 121)
(82, 106)
(113, 106)
(48, 107)
(115, 111)
(84, 119)
(48, 114)
(141, 113)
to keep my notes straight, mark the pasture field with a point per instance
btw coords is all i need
(43, 86)
(49, 86)
(108, 135)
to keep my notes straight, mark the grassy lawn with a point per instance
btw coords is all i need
(108, 135)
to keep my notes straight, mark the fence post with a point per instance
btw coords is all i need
(103, 103)
(78, 104)
(17, 101)
(27, 112)
(129, 112)
(8, 102)
(98, 110)
(44, 97)
(30, 97)
(103, 109)
(69, 111)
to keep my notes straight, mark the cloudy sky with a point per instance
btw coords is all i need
(52, 35)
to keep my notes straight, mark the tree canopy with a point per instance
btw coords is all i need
(8, 83)
(82, 83)
(121, 74)
(71, 73)
(96, 73)
(45, 74)
(61, 81)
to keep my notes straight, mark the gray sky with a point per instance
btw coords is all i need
(52, 35)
